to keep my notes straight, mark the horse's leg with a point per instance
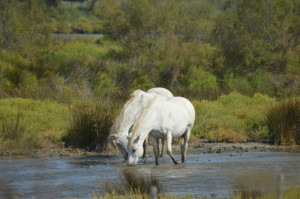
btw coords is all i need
(145, 150)
(158, 145)
(155, 150)
(162, 146)
(169, 147)
(184, 146)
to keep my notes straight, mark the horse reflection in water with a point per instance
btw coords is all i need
(122, 128)
(168, 120)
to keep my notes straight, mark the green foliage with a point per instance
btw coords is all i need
(260, 81)
(103, 85)
(251, 34)
(90, 125)
(83, 26)
(232, 118)
(284, 122)
(31, 123)
(198, 49)
(24, 26)
(200, 79)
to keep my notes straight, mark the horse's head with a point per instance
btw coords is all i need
(135, 151)
(121, 143)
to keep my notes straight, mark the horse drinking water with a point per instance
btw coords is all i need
(169, 119)
(122, 128)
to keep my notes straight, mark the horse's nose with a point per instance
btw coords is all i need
(130, 162)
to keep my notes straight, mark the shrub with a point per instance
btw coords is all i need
(90, 125)
(12, 129)
(284, 122)
(133, 182)
(82, 25)
(103, 85)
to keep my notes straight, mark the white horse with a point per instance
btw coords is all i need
(169, 119)
(121, 130)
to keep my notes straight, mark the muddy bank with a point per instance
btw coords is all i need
(194, 148)
(238, 147)
(54, 152)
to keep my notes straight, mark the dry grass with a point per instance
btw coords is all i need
(284, 122)
(133, 183)
(89, 128)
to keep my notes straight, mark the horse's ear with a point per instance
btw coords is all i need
(114, 136)
(136, 92)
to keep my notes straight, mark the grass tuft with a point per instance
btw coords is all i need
(284, 122)
(132, 183)
(90, 125)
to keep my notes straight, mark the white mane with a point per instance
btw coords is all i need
(139, 120)
(117, 125)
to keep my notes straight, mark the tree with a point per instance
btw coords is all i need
(54, 3)
(253, 34)
(9, 25)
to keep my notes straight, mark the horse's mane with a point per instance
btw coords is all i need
(137, 124)
(117, 124)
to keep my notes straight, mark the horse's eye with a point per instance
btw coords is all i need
(133, 150)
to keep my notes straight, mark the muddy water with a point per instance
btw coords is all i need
(203, 175)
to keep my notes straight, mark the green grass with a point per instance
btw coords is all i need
(232, 118)
(41, 122)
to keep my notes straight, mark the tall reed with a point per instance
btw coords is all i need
(284, 122)
(90, 125)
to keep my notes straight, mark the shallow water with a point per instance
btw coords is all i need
(203, 175)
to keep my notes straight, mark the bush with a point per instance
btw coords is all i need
(90, 125)
(284, 122)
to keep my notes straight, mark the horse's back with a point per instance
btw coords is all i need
(165, 93)
(185, 104)
(176, 115)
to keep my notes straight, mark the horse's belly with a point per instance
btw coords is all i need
(180, 125)
(157, 134)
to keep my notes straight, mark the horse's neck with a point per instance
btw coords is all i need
(148, 123)
(131, 114)
(143, 135)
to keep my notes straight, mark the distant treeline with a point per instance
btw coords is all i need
(197, 48)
